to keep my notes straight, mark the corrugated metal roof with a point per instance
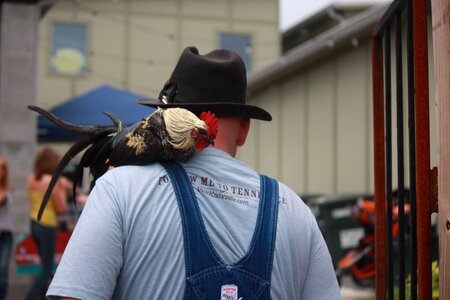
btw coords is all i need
(336, 39)
(320, 22)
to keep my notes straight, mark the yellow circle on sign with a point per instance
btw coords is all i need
(68, 61)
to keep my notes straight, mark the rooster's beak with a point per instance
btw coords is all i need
(210, 141)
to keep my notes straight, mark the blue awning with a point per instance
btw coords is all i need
(88, 108)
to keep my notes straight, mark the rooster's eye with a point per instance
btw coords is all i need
(202, 131)
(195, 133)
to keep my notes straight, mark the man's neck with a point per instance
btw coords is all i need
(226, 148)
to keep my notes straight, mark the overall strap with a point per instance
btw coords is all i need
(202, 260)
(196, 241)
(259, 257)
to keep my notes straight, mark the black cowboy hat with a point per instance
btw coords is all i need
(215, 82)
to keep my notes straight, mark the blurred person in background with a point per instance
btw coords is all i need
(44, 231)
(6, 237)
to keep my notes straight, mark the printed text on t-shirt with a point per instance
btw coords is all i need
(208, 187)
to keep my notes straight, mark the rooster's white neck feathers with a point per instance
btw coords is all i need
(179, 124)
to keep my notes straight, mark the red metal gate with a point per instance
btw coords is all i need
(412, 16)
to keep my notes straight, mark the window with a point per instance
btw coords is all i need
(240, 43)
(69, 49)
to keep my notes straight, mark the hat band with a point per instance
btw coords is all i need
(176, 93)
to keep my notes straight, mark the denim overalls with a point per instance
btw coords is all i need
(207, 276)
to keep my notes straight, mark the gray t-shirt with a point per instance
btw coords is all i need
(128, 242)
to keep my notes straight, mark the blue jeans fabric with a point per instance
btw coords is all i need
(207, 276)
(6, 242)
(45, 239)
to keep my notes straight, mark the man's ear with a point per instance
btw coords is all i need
(244, 127)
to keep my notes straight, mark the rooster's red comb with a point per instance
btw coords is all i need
(212, 123)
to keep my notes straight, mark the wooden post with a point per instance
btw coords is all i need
(441, 40)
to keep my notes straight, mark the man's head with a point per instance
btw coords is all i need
(216, 82)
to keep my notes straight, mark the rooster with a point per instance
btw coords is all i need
(172, 134)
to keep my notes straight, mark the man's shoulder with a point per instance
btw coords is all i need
(131, 170)
(132, 174)
(288, 195)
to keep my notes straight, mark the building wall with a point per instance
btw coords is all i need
(135, 44)
(321, 137)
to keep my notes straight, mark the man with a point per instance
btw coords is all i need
(210, 227)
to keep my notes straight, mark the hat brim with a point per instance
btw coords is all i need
(220, 109)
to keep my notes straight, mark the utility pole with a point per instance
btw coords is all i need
(18, 61)
(19, 23)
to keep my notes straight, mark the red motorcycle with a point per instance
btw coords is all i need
(360, 262)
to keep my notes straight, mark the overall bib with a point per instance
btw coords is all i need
(207, 276)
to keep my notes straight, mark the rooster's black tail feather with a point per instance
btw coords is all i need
(70, 154)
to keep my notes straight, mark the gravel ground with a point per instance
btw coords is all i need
(350, 291)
